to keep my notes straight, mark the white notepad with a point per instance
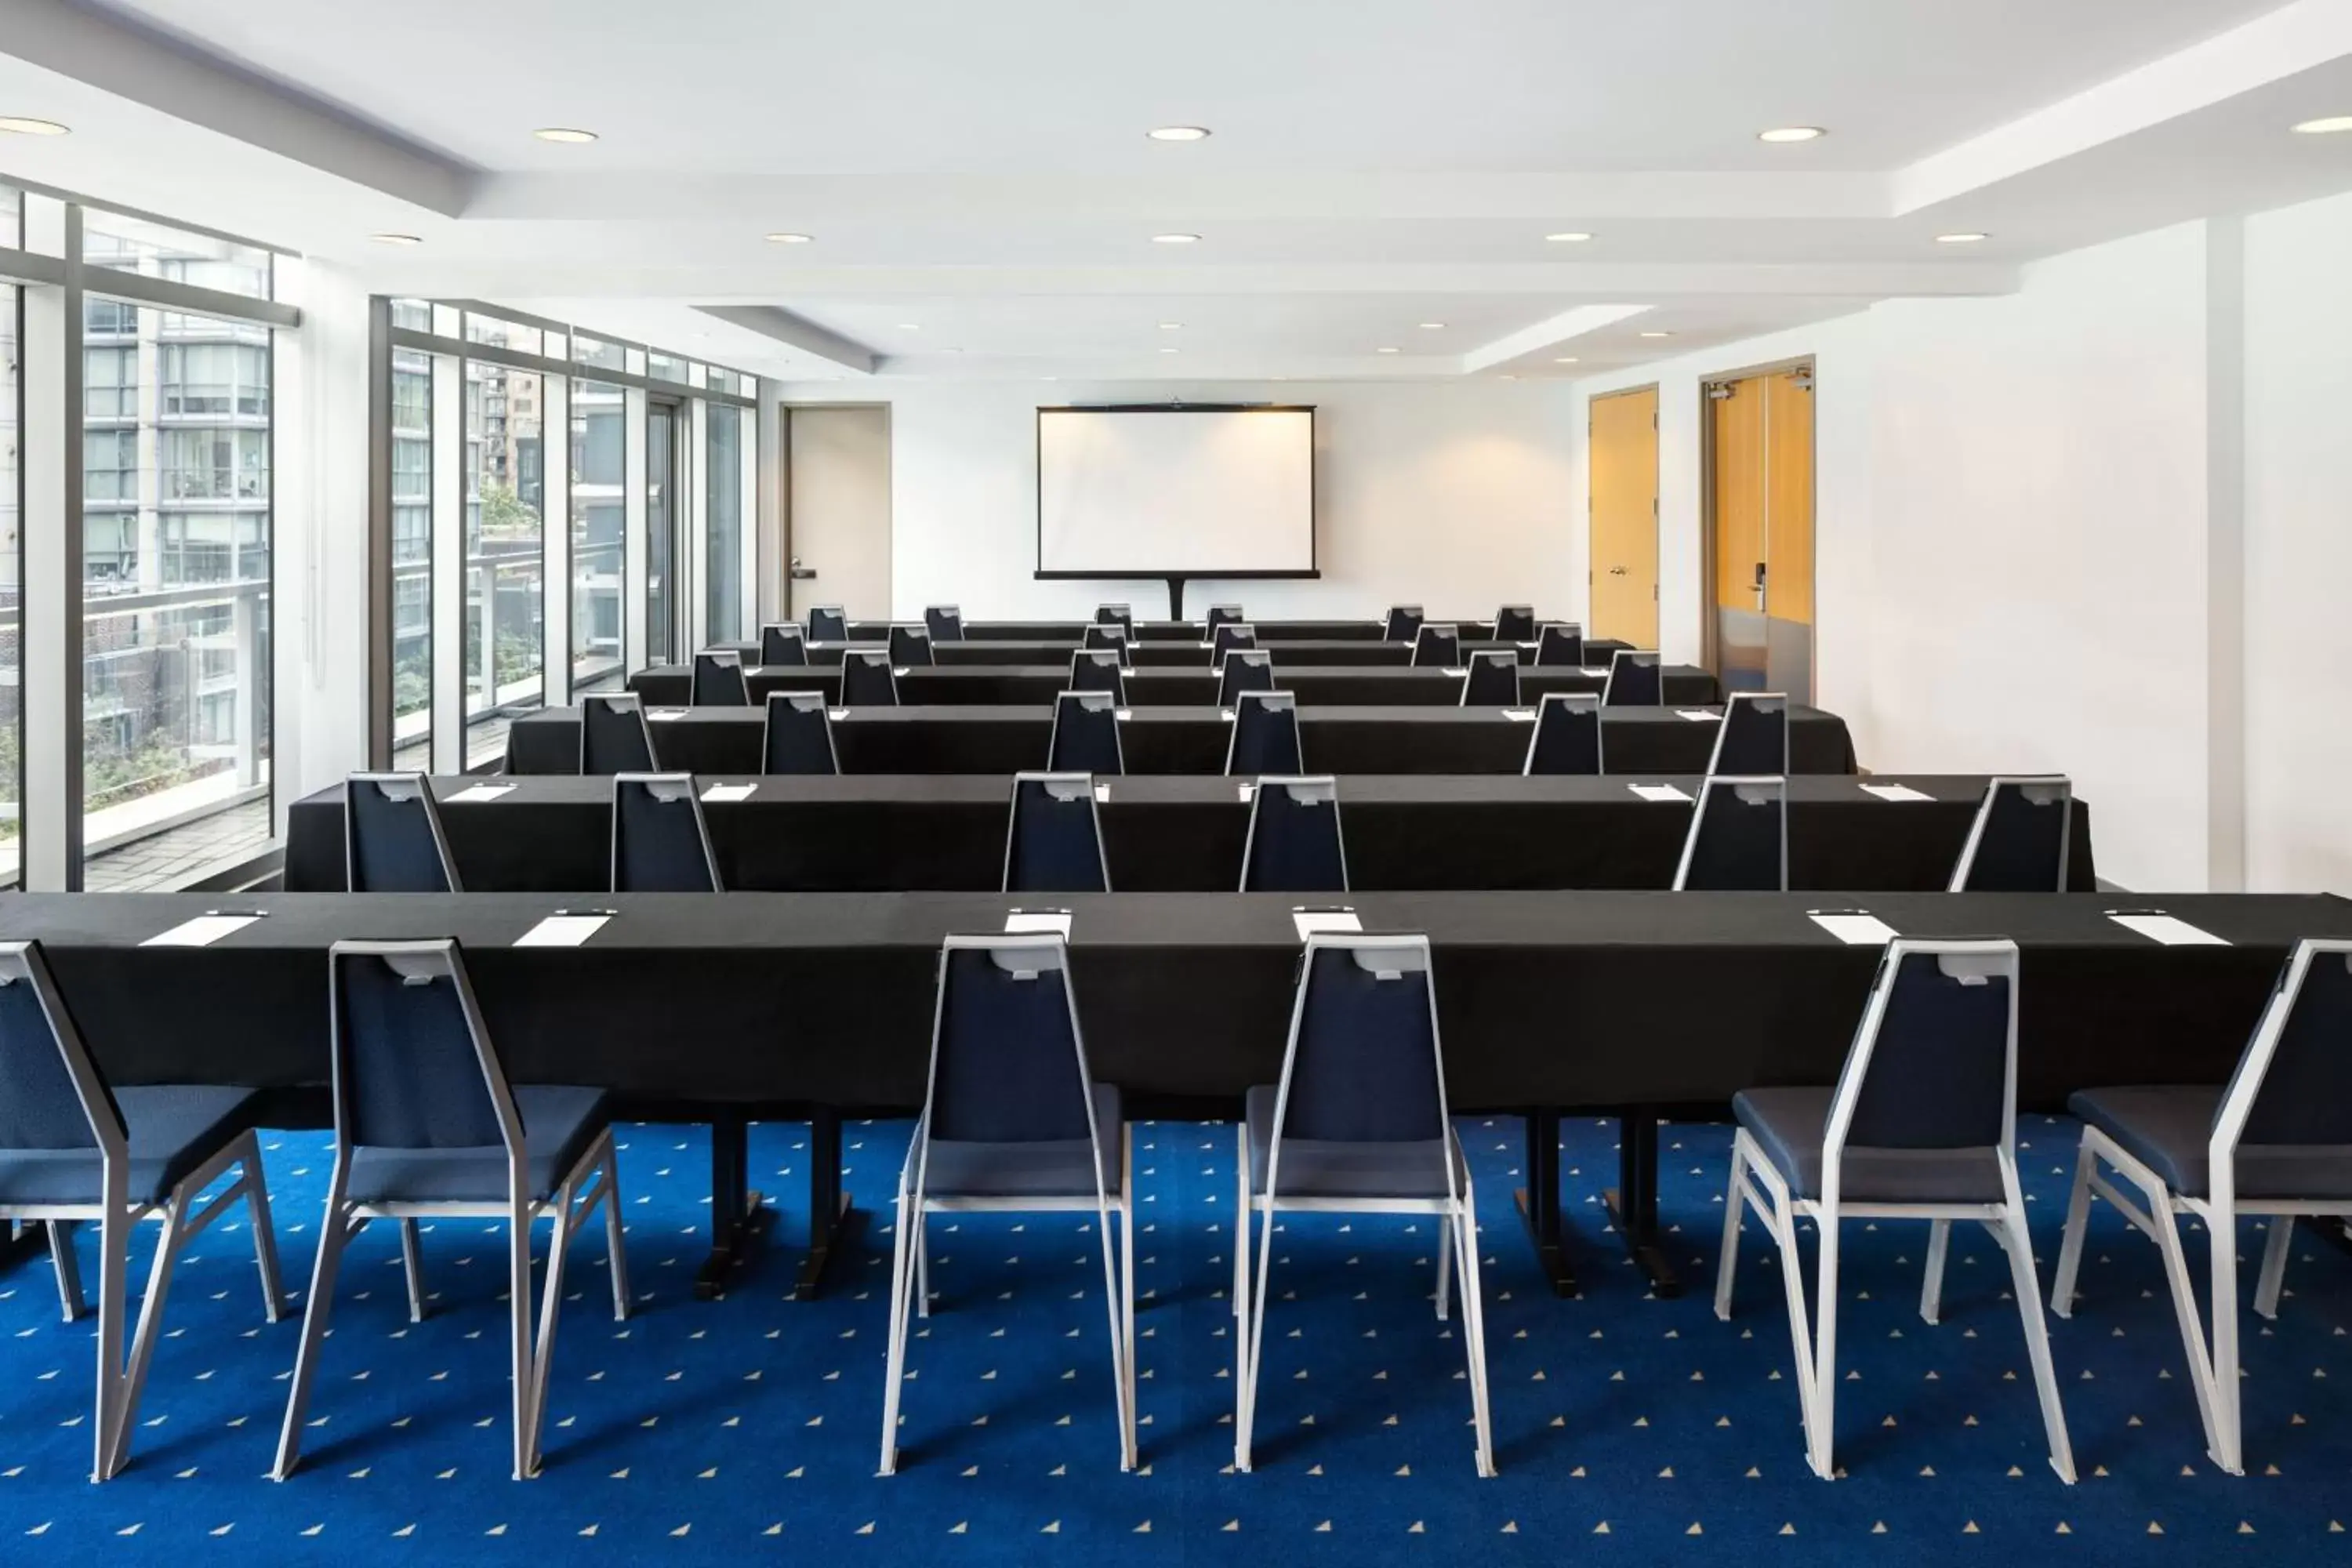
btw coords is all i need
(1227, 714)
(1531, 646)
(1856, 931)
(1309, 921)
(1123, 715)
(1102, 795)
(1458, 674)
(729, 792)
(480, 792)
(901, 673)
(1247, 790)
(1057, 923)
(1659, 793)
(202, 931)
(1520, 715)
(1696, 717)
(660, 714)
(563, 930)
(837, 714)
(1894, 792)
(2168, 930)
(1596, 672)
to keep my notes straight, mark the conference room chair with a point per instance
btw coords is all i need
(1099, 670)
(829, 623)
(1560, 644)
(1403, 624)
(1567, 740)
(718, 680)
(944, 622)
(1492, 679)
(1226, 638)
(2021, 840)
(867, 680)
(1012, 1122)
(2275, 1142)
(1515, 622)
(614, 735)
(1922, 1125)
(660, 842)
(1119, 615)
(392, 841)
(1113, 637)
(1053, 838)
(910, 646)
(1265, 736)
(1437, 648)
(1222, 616)
(1753, 738)
(1244, 669)
(782, 643)
(1634, 680)
(73, 1150)
(1293, 845)
(427, 1127)
(798, 737)
(1358, 1125)
(1085, 739)
(1738, 837)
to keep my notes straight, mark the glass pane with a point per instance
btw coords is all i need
(156, 250)
(12, 234)
(661, 534)
(723, 545)
(12, 603)
(663, 367)
(505, 492)
(415, 315)
(411, 561)
(599, 418)
(597, 352)
(176, 596)
(480, 329)
(720, 380)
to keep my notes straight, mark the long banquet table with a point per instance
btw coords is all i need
(1172, 654)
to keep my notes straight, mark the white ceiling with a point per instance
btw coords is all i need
(982, 172)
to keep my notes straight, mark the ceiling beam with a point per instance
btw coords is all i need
(794, 333)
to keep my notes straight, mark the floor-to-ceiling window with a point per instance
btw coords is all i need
(505, 567)
(723, 526)
(411, 559)
(12, 707)
(599, 519)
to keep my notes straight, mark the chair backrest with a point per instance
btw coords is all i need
(829, 623)
(1119, 615)
(1265, 736)
(719, 679)
(1294, 844)
(1086, 734)
(2294, 1082)
(2021, 839)
(660, 842)
(1634, 680)
(1515, 622)
(911, 646)
(1244, 669)
(1099, 670)
(1225, 638)
(1364, 1064)
(1008, 1061)
(1738, 838)
(1113, 637)
(1438, 646)
(1053, 842)
(1403, 624)
(782, 643)
(1933, 1061)
(944, 622)
(1753, 738)
(411, 1060)
(799, 735)
(866, 680)
(614, 737)
(1568, 734)
(392, 841)
(1560, 643)
(1222, 616)
(51, 1093)
(1493, 681)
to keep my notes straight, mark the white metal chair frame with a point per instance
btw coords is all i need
(1740, 788)
(119, 1385)
(1321, 788)
(1573, 702)
(593, 1180)
(1756, 1184)
(669, 789)
(1389, 626)
(1572, 628)
(1736, 702)
(1458, 1211)
(397, 787)
(1061, 786)
(2213, 1371)
(1111, 659)
(2056, 785)
(910, 1282)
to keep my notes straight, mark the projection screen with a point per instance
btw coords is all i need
(1160, 491)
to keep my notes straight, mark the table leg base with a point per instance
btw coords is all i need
(732, 1247)
(826, 1244)
(1642, 1245)
(1551, 1250)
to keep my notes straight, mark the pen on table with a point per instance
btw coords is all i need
(580, 915)
(236, 914)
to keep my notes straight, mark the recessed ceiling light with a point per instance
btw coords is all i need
(24, 127)
(1169, 350)
(1174, 239)
(787, 239)
(1565, 358)
(2325, 127)
(396, 238)
(1569, 237)
(564, 133)
(1967, 238)
(1792, 133)
(909, 327)
(1432, 326)
(1657, 334)
(1384, 351)
(1178, 133)
(1171, 326)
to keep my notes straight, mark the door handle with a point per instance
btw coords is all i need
(1616, 571)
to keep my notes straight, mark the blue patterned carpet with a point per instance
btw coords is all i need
(1629, 1429)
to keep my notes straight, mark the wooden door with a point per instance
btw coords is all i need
(1623, 518)
(1760, 499)
(1788, 503)
(1736, 598)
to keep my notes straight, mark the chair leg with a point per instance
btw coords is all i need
(62, 1259)
(922, 1266)
(1254, 1333)
(616, 1251)
(1735, 1205)
(334, 1233)
(265, 1230)
(526, 1396)
(2221, 1233)
(1127, 1280)
(151, 1318)
(902, 1265)
(1444, 1260)
(113, 1268)
(1931, 1284)
(2018, 1242)
(1825, 1311)
(412, 1265)
(2078, 1220)
(1474, 1331)
(2184, 1305)
(2273, 1275)
(1241, 1226)
(551, 1303)
(1117, 1344)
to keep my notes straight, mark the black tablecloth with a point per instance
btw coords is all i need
(1009, 685)
(1544, 999)
(887, 833)
(1182, 654)
(982, 739)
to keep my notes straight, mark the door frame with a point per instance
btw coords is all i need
(787, 606)
(1707, 640)
(681, 641)
(1657, 472)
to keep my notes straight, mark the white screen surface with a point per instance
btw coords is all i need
(1151, 492)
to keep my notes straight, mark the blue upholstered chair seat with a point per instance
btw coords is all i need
(558, 1123)
(1789, 1125)
(173, 1128)
(1313, 1168)
(2170, 1128)
(1054, 1169)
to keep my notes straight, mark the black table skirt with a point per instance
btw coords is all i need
(878, 833)
(1003, 686)
(1190, 654)
(1571, 1000)
(981, 740)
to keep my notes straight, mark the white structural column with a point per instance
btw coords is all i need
(635, 563)
(449, 571)
(556, 538)
(2225, 554)
(50, 458)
